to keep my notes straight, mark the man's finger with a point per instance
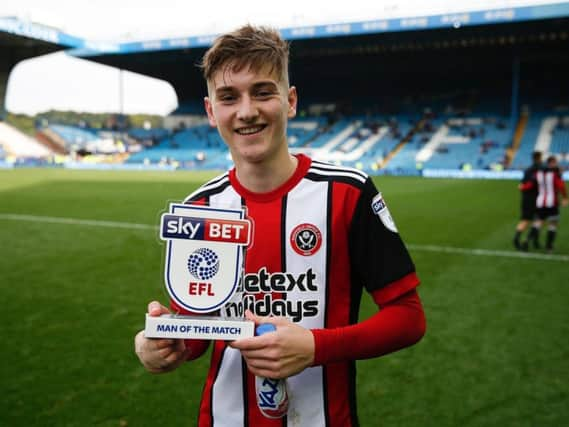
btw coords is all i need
(255, 343)
(249, 315)
(167, 346)
(163, 343)
(157, 309)
(259, 320)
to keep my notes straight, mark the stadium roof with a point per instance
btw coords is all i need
(499, 34)
(458, 19)
(20, 40)
(534, 26)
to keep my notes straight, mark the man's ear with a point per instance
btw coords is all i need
(292, 102)
(209, 112)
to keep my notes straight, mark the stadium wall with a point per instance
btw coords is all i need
(427, 173)
(174, 121)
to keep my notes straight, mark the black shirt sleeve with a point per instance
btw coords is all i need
(378, 255)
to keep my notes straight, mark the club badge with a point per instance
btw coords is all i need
(306, 239)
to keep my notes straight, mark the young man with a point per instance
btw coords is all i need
(322, 234)
(528, 188)
(550, 186)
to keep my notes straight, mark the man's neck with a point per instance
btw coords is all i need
(266, 177)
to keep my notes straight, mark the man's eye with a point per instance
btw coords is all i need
(227, 98)
(264, 94)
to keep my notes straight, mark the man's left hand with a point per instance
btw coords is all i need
(279, 354)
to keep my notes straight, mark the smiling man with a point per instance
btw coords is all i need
(250, 102)
(322, 235)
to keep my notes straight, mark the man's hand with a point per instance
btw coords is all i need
(156, 354)
(280, 354)
(565, 202)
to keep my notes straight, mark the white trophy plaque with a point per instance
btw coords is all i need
(205, 252)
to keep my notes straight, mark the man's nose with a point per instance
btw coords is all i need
(247, 110)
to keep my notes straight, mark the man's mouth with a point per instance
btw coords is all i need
(250, 130)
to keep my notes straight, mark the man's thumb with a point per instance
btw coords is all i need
(157, 309)
(259, 320)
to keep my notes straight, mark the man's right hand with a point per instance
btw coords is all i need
(159, 355)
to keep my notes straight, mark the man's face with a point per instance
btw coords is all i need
(251, 110)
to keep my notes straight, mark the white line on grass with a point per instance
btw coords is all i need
(488, 252)
(75, 221)
(426, 248)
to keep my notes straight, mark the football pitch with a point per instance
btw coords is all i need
(80, 259)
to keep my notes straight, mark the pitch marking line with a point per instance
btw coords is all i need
(75, 221)
(425, 248)
(488, 252)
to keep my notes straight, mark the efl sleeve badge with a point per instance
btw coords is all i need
(379, 208)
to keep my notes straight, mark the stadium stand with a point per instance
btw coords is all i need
(18, 144)
(52, 140)
(404, 143)
(560, 141)
(83, 140)
(303, 130)
(142, 134)
(459, 143)
(547, 132)
(73, 137)
(196, 147)
(394, 99)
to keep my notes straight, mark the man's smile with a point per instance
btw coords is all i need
(250, 130)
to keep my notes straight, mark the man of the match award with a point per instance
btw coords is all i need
(203, 273)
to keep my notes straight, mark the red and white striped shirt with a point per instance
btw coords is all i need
(319, 240)
(550, 184)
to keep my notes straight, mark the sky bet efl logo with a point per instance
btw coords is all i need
(204, 254)
(213, 230)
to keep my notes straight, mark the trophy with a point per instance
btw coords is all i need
(203, 273)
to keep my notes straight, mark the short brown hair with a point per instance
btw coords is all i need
(248, 46)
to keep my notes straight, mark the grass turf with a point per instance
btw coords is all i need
(495, 352)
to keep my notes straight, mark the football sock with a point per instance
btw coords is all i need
(517, 239)
(551, 234)
(533, 236)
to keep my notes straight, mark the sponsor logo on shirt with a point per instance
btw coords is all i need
(306, 239)
(265, 294)
(379, 207)
(272, 397)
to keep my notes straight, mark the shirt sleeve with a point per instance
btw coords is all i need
(399, 324)
(560, 185)
(379, 259)
(529, 180)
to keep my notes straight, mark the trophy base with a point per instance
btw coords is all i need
(197, 327)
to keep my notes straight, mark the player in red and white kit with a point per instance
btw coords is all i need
(550, 187)
(528, 189)
(322, 235)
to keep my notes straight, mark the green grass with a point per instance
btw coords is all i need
(495, 353)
